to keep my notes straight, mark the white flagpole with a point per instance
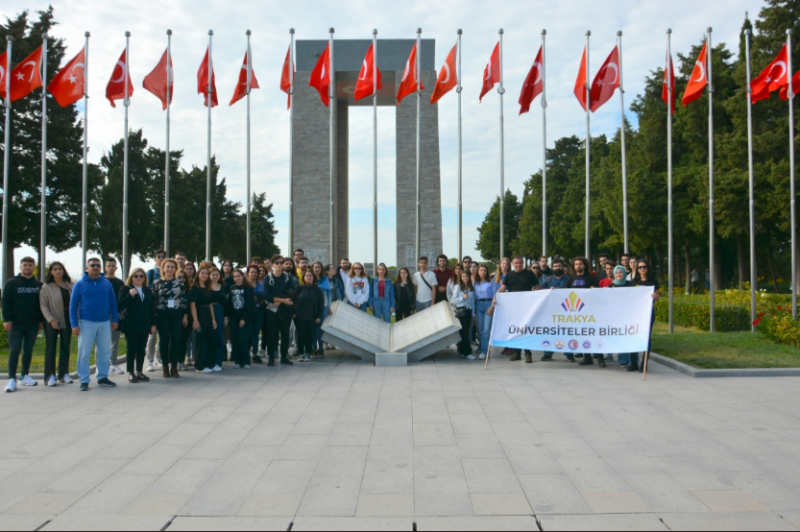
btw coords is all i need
(670, 252)
(588, 140)
(209, 67)
(458, 90)
(501, 91)
(291, 139)
(167, 163)
(331, 104)
(751, 184)
(43, 209)
(85, 179)
(791, 175)
(418, 72)
(249, 77)
(6, 164)
(711, 268)
(544, 146)
(374, 152)
(127, 103)
(622, 138)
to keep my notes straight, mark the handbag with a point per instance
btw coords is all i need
(463, 312)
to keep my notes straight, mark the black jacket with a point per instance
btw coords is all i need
(282, 287)
(21, 302)
(136, 315)
(412, 298)
(308, 303)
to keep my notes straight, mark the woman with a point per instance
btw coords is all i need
(188, 333)
(453, 281)
(308, 305)
(473, 276)
(172, 315)
(190, 271)
(227, 273)
(618, 280)
(137, 318)
(405, 299)
(484, 308)
(499, 277)
(381, 295)
(239, 308)
(536, 268)
(633, 263)
(337, 294)
(258, 310)
(54, 303)
(290, 269)
(357, 288)
(324, 284)
(644, 277)
(463, 303)
(218, 306)
(262, 273)
(204, 323)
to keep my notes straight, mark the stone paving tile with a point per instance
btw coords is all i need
(229, 523)
(44, 503)
(385, 504)
(601, 522)
(730, 501)
(490, 476)
(81, 522)
(436, 495)
(483, 524)
(621, 502)
(553, 494)
(352, 523)
(23, 522)
(333, 496)
(513, 503)
(726, 521)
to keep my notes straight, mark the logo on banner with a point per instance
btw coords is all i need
(587, 344)
(573, 303)
(560, 344)
(573, 344)
(600, 344)
(546, 344)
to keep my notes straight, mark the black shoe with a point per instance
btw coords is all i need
(142, 377)
(84, 386)
(287, 362)
(587, 361)
(632, 368)
(578, 356)
(133, 379)
(601, 362)
(106, 383)
(271, 362)
(571, 358)
(547, 358)
(258, 360)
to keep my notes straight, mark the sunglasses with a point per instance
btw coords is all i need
(160, 256)
(95, 266)
(278, 263)
(138, 276)
(642, 267)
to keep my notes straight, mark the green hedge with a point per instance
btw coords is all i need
(694, 311)
(3, 336)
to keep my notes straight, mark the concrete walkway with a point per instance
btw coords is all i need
(342, 445)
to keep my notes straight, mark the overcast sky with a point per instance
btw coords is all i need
(643, 25)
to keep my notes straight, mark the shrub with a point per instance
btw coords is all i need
(694, 311)
(3, 336)
(779, 326)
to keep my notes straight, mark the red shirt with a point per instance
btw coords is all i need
(443, 276)
(605, 283)
(381, 288)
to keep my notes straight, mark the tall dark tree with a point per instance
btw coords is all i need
(489, 232)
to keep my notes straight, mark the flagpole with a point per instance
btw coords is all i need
(711, 269)
(43, 209)
(85, 178)
(622, 138)
(374, 152)
(208, 153)
(751, 184)
(125, 164)
(588, 140)
(331, 104)
(544, 147)
(419, 100)
(791, 174)
(6, 163)
(460, 214)
(291, 138)
(167, 163)
(501, 91)
(670, 251)
(249, 70)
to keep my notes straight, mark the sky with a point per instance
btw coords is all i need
(643, 25)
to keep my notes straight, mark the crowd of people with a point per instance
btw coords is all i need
(179, 315)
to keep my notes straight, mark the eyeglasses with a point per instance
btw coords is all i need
(97, 266)
(160, 256)
(138, 276)
(278, 263)
(642, 267)
(535, 268)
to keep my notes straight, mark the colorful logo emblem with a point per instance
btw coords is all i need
(560, 344)
(587, 344)
(573, 344)
(546, 344)
(573, 303)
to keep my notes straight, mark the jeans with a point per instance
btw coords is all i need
(92, 332)
(53, 336)
(278, 326)
(18, 336)
(382, 308)
(362, 308)
(153, 348)
(219, 317)
(206, 339)
(240, 340)
(400, 314)
(169, 335)
(264, 330)
(423, 305)
(464, 347)
(306, 331)
(115, 336)
(137, 345)
(484, 325)
(624, 358)
(255, 327)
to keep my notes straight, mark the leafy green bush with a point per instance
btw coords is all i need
(693, 311)
(3, 336)
(779, 326)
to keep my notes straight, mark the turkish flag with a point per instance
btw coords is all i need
(115, 90)
(698, 80)
(408, 84)
(203, 86)
(241, 86)
(365, 86)
(491, 74)
(795, 86)
(321, 76)
(447, 76)
(26, 76)
(4, 67)
(286, 85)
(772, 78)
(605, 81)
(534, 84)
(67, 86)
(157, 80)
(669, 78)
(580, 82)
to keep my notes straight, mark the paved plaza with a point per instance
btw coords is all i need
(442, 445)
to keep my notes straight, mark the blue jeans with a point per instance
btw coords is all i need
(382, 308)
(219, 317)
(255, 328)
(362, 308)
(624, 358)
(422, 306)
(21, 339)
(484, 325)
(94, 332)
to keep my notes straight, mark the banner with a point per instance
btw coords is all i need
(574, 321)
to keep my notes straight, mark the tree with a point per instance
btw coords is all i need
(489, 232)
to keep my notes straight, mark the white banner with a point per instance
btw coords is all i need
(597, 320)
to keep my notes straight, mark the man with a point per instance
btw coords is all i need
(424, 281)
(543, 265)
(519, 280)
(22, 317)
(180, 257)
(466, 261)
(93, 314)
(601, 273)
(302, 267)
(153, 352)
(278, 288)
(556, 281)
(256, 261)
(117, 283)
(298, 254)
(443, 275)
(609, 275)
(583, 279)
(344, 269)
(625, 261)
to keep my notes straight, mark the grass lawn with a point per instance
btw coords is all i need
(731, 350)
(37, 364)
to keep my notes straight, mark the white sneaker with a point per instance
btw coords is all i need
(206, 370)
(157, 364)
(470, 357)
(482, 356)
(115, 370)
(67, 379)
(181, 367)
(237, 366)
(246, 366)
(216, 369)
(52, 381)
(261, 353)
(11, 386)
(28, 381)
(150, 367)
(230, 347)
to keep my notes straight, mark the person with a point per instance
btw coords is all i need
(290, 269)
(645, 278)
(255, 261)
(451, 284)
(262, 273)
(258, 311)
(625, 260)
(324, 283)
(424, 281)
(227, 273)
(308, 305)
(632, 273)
(601, 271)
(302, 267)
(187, 339)
(204, 322)
(54, 303)
(695, 280)
(443, 276)
(93, 314)
(296, 254)
(239, 308)
(22, 317)
(190, 271)
(706, 279)
(337, 293)
(357, 288)
(172, 315)
(278, 290)
(381, 295)
(404, 297)
(519, 280)
(463, 303)
(217, 291)
(618, 279)
(180, 258)
(583, 279)
(484, 308)
(344, 270)
(606, 281)
(543, 265)
(536, 268)
(500, 273)
(116, 284)
(153, 351)
(137, 308)
(466, 261)
(558, 279)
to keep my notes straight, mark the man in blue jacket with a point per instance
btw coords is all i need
(93, 308)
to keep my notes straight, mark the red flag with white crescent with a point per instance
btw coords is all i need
(157, 81)
(605, 81)
(203, 86)
(115, 90)
(772, 78)
(321, 75)
(244, 73)
(67, 86)
(447, 79)
(699, 78)
(491, 74)
(286, 84)
(669, 76)
(365, 86)
(26, 76)
(534, 83)
(580, 82)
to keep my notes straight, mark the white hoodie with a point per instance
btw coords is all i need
(357, 290)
